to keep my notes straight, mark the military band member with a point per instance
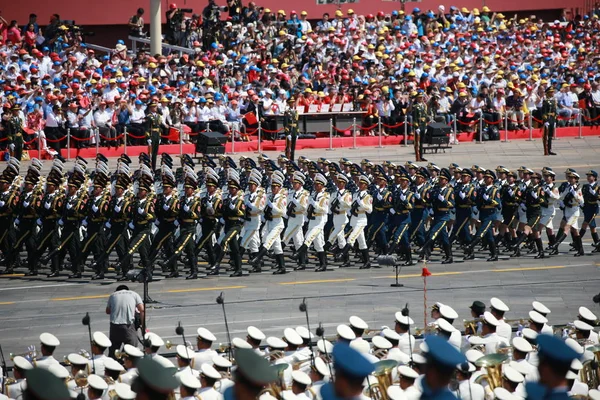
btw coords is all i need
(276, 208)
(318, 207)
(97, 212)
(16, 388)
(549, 110)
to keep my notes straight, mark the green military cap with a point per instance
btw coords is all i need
(44, 385)
(254, 368)
(157, 377)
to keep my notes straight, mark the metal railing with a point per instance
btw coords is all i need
(179, 49)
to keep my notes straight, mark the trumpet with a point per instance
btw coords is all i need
(471, 325)
(119, 354)
(28, 355)
(168, 344)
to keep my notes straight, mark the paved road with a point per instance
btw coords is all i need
(563, 283)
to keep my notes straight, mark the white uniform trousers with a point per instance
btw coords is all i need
(358, 225)
(272, 235)
(315, 233)
(339, 225)
(251, 235)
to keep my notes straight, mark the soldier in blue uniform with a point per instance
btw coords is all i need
(382, 202)
(441, 198)
(466, 196)
(402, 206)
(591, 197)
(488, 201)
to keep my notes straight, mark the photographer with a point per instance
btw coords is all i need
(123, 305)
(136, 24)
(211, 16)
(235, 10)
(251, 13)
(175, 25)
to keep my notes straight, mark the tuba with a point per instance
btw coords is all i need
(383, 374)
(493, 365)
(471, 326)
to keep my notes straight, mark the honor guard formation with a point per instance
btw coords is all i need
(493, 358)
(276, 209)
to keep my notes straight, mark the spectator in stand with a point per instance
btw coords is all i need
(30, 37)
(13, 33)
(103, 119)
(51, 32)
(32, 21)
(136, 24)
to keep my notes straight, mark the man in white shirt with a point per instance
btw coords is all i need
(204, 355)
(468, 390)
(209, 377)
(498, 308)
(49, 344)
(103, 120)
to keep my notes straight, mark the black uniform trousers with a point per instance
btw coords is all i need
(95, 243)
(50, 240)
(208, 226)
(26, 234)
(70, 244)
(185, 244)
(139, 243)
(118, 240)
(163, 240)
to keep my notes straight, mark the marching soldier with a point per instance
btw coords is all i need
(16, 388)
(420, 213)
(142, 216)
(189, 213)
(9, 199)
(49, 211)
(97, 210)
(167, 211)
(318, 207)
(14, 132)
(255, 202)
(210, 203)
(340, 205)
(534, 198)
(549, 110)
(276, 207)
(233, 210)
(153, 129)
(509, 196)
(296, 212)
(441, 198)
(362, 204)
(382, 202)
(591, 196)
(571, 198)
(418, 111)
(401, 218)
(466, 196)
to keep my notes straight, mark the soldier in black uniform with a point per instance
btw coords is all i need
(167, 210)
(509, 196)
(97, 213)
(210, 204)
(141, 217)
(290, 121)
(465, 196)
(418, 110)
(549, 109)
(533, 198)
(119, 209)
(49, 211)
(153, 122)
(189, 213)
(15, 132)
(403, 201)
(26, 216)
(9, 199)
(233, 211)
(382, 202)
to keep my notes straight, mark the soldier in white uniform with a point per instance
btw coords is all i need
(153, 342)
(132, 355)
(254, 338)
(402, 326)
(97, 386)
(318, 208)
(339, 207)
(468, 390)
(79, 365)
(112, 372)
(319, 375)
(552, 195)
(395, 353)
(362, 204)
(222, 365)
(255, 201)
(15, 390)
(204, 342)
(209, 377)
(537, 321)
(300, 383)
(490, 338)
(124, 392)
(189, 384)
(49, 344)
(185, 357)
(498, 309)
(100, 343)
(276, 207)
(521, 348)
(296, 212)
(590, 318)
(544, 311)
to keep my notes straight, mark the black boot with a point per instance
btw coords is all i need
(540, 248)
(303, 249)
(99, 276)
(470, 250)
(448, 252)
(517, 245)
(327, 246)
(579, 246)
(280, 265)
(493, 252)
(551, 241)
(322, 256)
(595, 238)
(554, 249)
(257, 258)
(425, 251)
(366, 258)
(302, 261)
(409, 259)
(597, 249)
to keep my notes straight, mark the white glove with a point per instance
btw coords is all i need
(417, 196)
(311, 202)
(593, 192)
(534, 195)
(440, 197)
(61, 222)
(39, 221)
(31, 349)
(149, 141)
(17, 221)
(117, 209)
(269, 204)
(11, 147)
(176, 223)
(546, 124)
(2, 203)
(392, 211)
(561, 204)
(510, 192)
(26, 203)
(95, 208)
(247, 203)
(140, 210)
(47, 205)
(379, 197)
(572, 190)
(156, 223)
(417, 131)
(107, 225)
(232, 206)
(221, 221)
(295, 201)
(131, 226)
(84, 222)
(186, 208)
(486, 197)
(69, 206)
(523, 207)
(402, 197)
(166, 207)
(461, 194)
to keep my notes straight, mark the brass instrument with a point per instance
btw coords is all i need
(471, 325)
(169, 345)
(275, 388)
(380, 353)
(589, 375)
(383, 374)
(429, 329)
(514, 323)
(119, 354)
(9, 381)
(493, 365)
(28, 355)
(275, 355)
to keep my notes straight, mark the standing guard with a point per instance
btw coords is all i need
(549, 110)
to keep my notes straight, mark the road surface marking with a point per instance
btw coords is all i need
(98, 296)
(204, 289)
(39, 287)
(318, 281)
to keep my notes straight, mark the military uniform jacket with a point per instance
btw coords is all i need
(465, 195)
(362, 203)
(510, 195)
(571, 196)
(189, 211)
(403, 201)
(277, 205)
(421, 196)
(74, 208)
(28, 205)
(488, 199)
(143, 213)
(15, 129)
(419, 114)
(209, 204)
(167, 207)
(233, 210)
(153, 125)
(341, 203)
(255, 203)
(97, 211)
(441, 207)
(8, 203)
(16, 390)
(320, 203)
(534, 199)
(50, 207)
(119, 209)
(382, 199)
(297, 202)
(591, 194)
(549, 110)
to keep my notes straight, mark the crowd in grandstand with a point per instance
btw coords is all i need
(256, 63)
